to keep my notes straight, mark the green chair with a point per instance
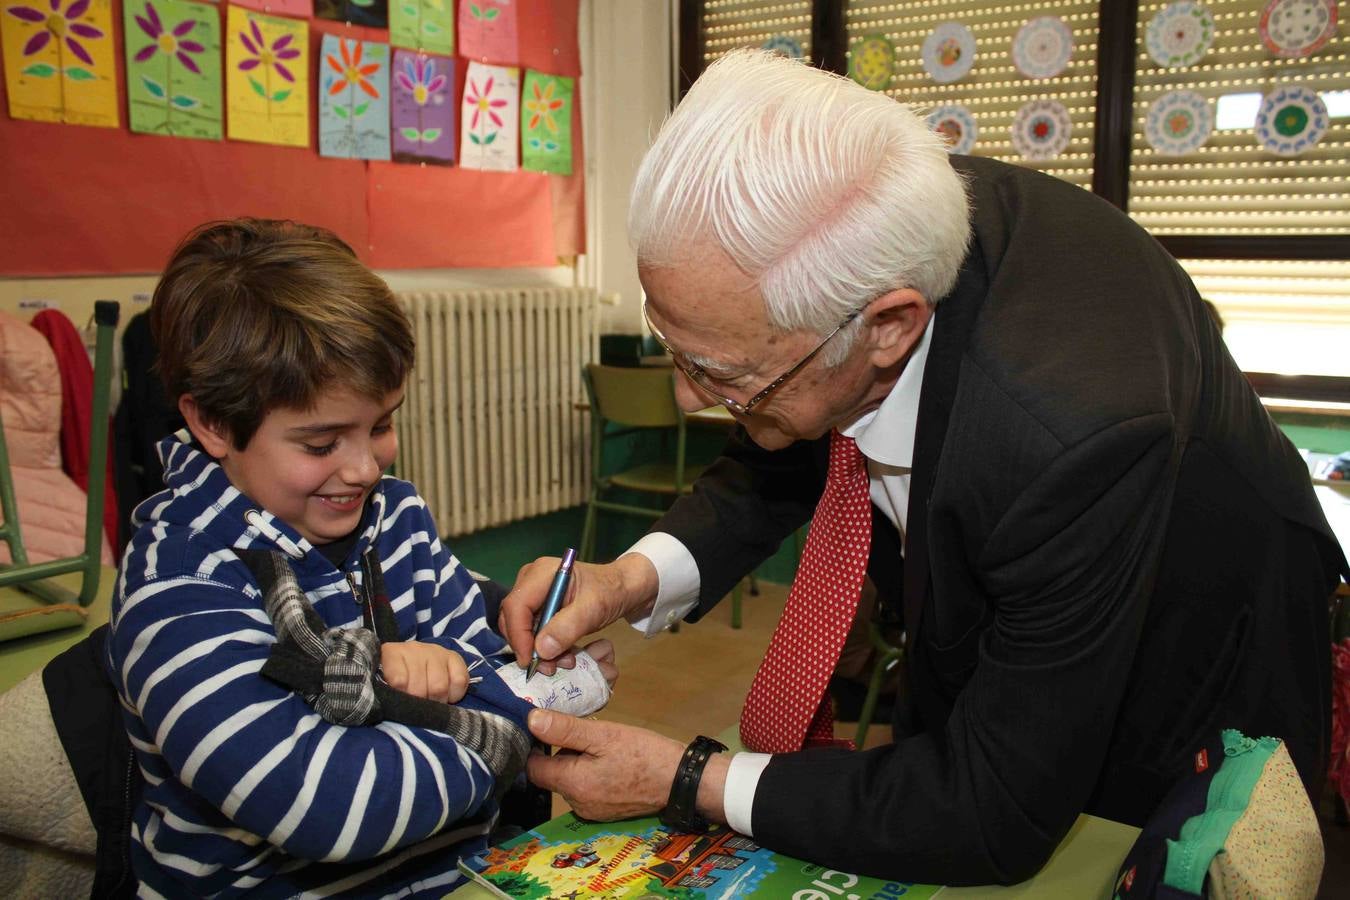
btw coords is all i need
(625, 400)
(29, 601)
(888, 657)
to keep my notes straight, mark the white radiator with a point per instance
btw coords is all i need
(490, 431)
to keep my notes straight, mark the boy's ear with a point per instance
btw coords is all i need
(214, 438)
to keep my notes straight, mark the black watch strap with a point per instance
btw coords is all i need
(681, 812)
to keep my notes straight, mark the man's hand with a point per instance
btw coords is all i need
(616, 771)
(602, 651)
(596, 596)
(425, 670)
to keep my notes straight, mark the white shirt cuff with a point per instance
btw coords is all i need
(677, 582)
(738, 796)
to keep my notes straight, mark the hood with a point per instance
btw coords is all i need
(200, 497)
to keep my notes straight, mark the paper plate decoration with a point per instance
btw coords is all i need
(1293, 28)
(1179, 122)
(783, 45)
(956, 125)
(949, 52)
(1042, 47)
(1041, 129)
(1291, 120)
(871, 62)
(1180, 34)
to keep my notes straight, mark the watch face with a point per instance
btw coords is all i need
(872, 61)
(1180, 34)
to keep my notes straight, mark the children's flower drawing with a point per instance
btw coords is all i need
(64, 27)
(169, 42)
(263, 55)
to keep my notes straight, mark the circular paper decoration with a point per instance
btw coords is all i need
(1291, 119)
(956, 125)
(783, 45)
(1297, 27)
(1042, 47)
(871, 62)
(1180, 34)
(1041, 129)
(1179, 122)
(949, 52)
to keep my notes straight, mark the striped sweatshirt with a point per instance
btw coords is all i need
(248, 791)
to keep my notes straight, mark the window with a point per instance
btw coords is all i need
(994, 89)
(732, 24)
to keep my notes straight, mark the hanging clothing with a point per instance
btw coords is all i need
(77, 409)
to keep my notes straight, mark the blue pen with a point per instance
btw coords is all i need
(556, 592)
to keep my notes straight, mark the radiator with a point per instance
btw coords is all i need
(490, 431)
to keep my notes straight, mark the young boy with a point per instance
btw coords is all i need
(288, 358)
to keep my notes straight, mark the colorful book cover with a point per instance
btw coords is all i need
(642, 858)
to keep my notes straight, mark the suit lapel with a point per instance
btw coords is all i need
(952, 323)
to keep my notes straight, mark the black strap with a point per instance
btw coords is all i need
(681, 812)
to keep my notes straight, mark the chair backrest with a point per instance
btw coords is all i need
(636, 397)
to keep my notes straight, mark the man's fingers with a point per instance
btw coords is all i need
(564, 731)
(549, 772)
(602, 650)
(417, 678)
(522, 604)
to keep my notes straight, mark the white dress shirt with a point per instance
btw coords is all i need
(886, 438)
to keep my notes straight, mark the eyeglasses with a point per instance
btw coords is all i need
(699, 376)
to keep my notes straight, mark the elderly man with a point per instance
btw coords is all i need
(1008, 403)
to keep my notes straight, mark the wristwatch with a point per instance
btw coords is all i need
(681, 812)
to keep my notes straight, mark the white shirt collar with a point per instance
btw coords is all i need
(886, 434)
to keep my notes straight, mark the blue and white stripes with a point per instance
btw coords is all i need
(248, 790)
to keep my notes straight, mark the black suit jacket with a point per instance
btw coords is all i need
(1111, 552)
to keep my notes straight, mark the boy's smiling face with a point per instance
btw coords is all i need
(313, 468)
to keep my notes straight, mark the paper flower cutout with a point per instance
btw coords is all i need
(418, 77)
(543, 105)
(264, 55)
(482, 103)
(350, 71)
(61, 26)
(168, 41)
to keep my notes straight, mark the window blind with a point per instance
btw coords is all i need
(994, 89)
(1232, 185)
(733, 24)
(1283, 316)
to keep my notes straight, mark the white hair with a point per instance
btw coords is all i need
(827, 194)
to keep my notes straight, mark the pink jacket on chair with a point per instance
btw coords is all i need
(51, 506)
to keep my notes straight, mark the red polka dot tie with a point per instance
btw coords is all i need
(787, 707)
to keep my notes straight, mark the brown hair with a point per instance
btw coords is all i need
(253, 315)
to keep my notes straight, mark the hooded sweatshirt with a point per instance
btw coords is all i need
(248, 790)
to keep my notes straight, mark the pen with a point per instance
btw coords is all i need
(555, 596)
